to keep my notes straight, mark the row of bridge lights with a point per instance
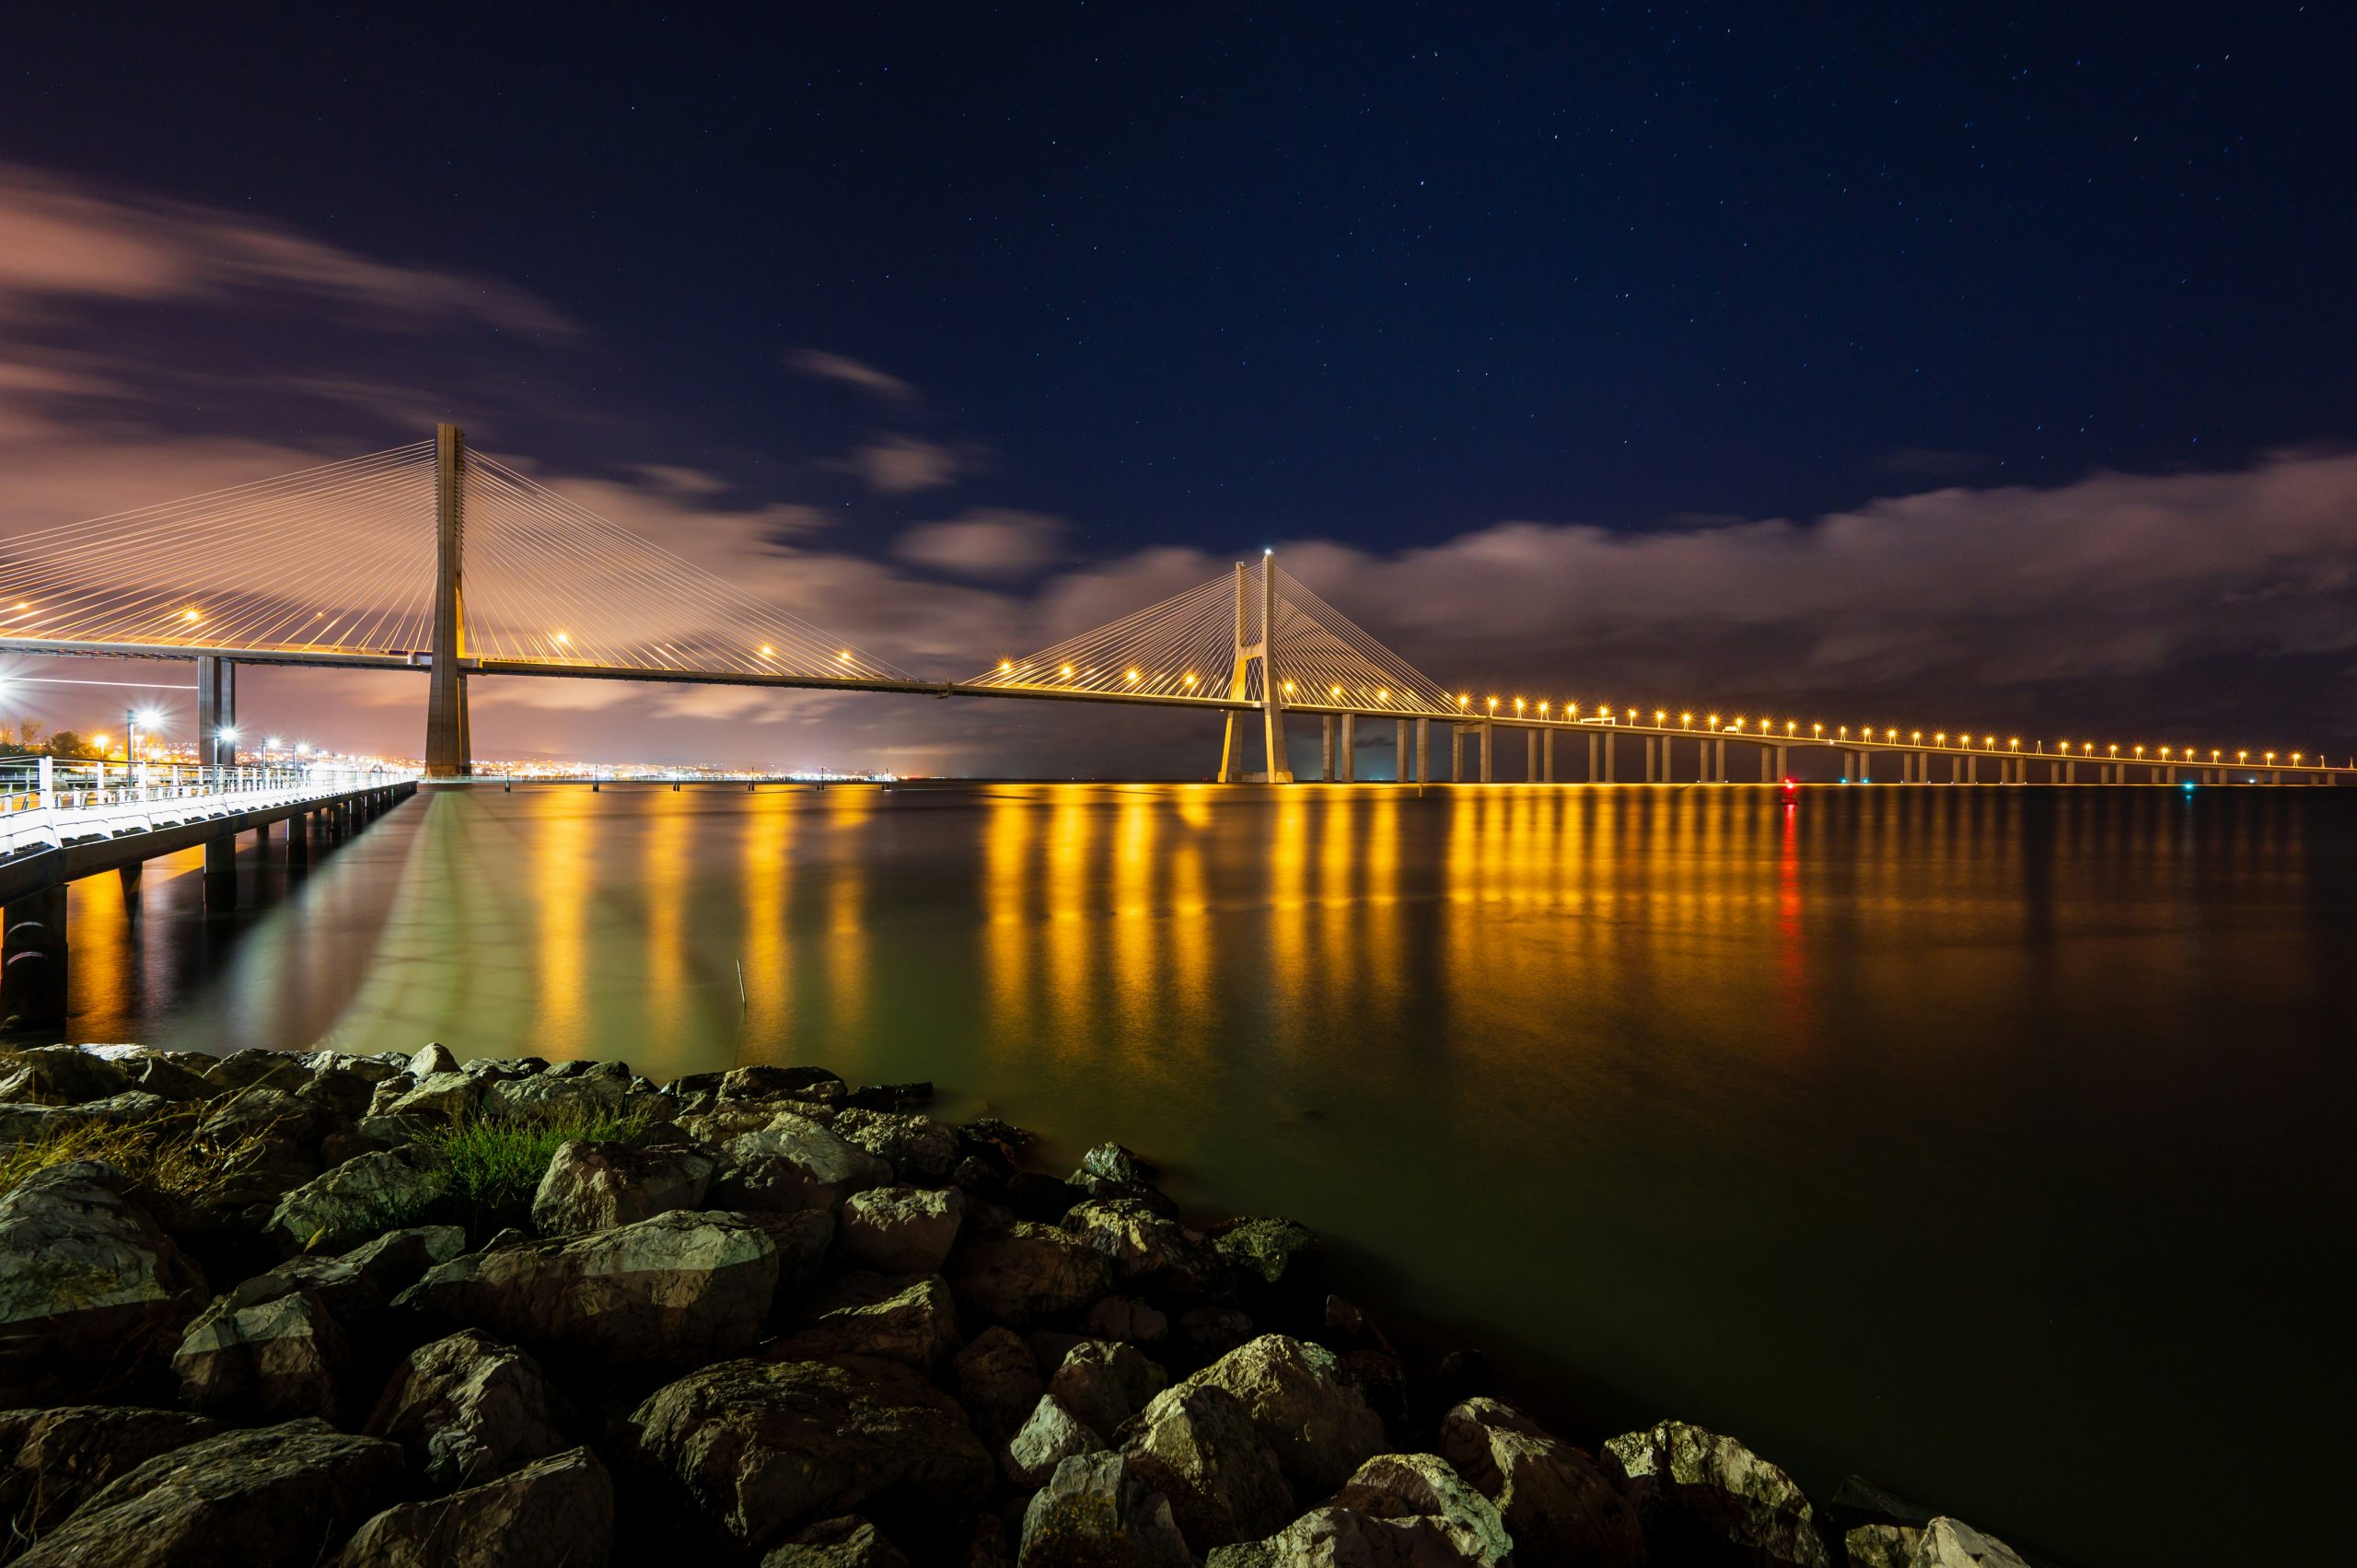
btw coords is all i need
(1766, 728)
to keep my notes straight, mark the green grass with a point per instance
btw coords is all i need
(496, 1163)
(164, 1154)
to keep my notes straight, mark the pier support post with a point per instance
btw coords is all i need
(298, 838)
(1487, 777)
(1783, 763)
(449, 750)
(1651, 776)
(1457, 753)
(1530, 756)
(1547, 756)
(130, 876)
(1424, 751)
(1350, 740)
(32, 957)
(1326, 751)
(1764, 761)
(1593, 774)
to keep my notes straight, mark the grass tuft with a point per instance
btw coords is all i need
(495, 1162)
(165, 1153)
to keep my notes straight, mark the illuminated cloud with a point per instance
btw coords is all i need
(850, 372)
(993, 544)
(895, 463)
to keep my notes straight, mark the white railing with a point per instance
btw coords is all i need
(46, 802)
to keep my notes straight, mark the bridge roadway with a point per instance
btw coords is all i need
(78, 828)
(1659, 744)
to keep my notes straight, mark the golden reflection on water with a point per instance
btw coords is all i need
(562, 864)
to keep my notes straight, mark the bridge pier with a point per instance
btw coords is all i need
(1547, 756)
(1350, 742)
(298, 838)
(1326, 753)
(129, 875)
(1487, 776)
(1424, 751)
(1530, 756)
(1784, 763)
(1457, 753)
(1765, 759)
(32, 958)
(1593, 774)
(1653, 753)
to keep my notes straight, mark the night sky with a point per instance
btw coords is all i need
(1985, 364)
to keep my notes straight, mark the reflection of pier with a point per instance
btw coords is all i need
(81, 819)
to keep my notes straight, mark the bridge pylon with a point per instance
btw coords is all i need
(449, 751)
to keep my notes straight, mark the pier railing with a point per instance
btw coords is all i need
(46, 802)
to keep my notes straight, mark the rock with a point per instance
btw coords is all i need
(265, 1352)
(1112, 1162)
(1051, 1436)
(174, 1074)
(1951, 1543)
(764, 1448)
(592, 1186)
(245, 1069)
(1462, 1375)
(269, 1497)
(432, 1058)
(91, 1289)
(52, 1459)
(1105, 1383)
(918, 1148)
(1030, 1271)
(539, 1093)
(1322, 1429)
(1095, 1513)
(1881, 1546)
(680, 1287)
(1148, 1251)
(356, 1286)
(1215, 1330)
(1422, 1487)
(1278, 1259)
(1557, 1505)
(998, 1381)
(1697, 1493)
(1344, 1537)
(1382, 1377)
(901, 1230)
(359, 1199)
(914, 1322)
(1199, 1447)
(466, 1409)
(558, 1513)
(795, 1162)
(59, 1075)
(1130, 1321)
(848, 1542)
(446, 1097)
(782, 1082)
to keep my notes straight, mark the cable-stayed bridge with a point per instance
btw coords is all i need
(437, 558)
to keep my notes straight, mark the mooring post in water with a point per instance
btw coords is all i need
(32, 957)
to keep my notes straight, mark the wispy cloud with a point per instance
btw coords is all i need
(854, 373)
(993, 544)
(896, 463)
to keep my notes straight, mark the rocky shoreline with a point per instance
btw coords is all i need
(298, 1308)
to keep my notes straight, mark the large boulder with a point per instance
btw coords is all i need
(680, 1287)
(466, 1409)
(446, 1096)
(1344, 1537)
(91, 1289)
(1951, 1543)
(594, 1186)
(764, 1448)
(1421, 1489)
(918, 1147)
(557, 1513)
(1280, 1262)
(848, 1542)
(1027, 1272)
(795, 1162)
(1149, 1251)
(998, 1381)
(1105, 1383)
(1198, 1445)
(52, 1459)
(1047, 1439)
(1096, 1513)
(355, 1201)
(914, 1322)
(265, 1352)
(1127, 1319)
(901, 1230)
(1320, 1427)
(59, 1075)
(1702, 1496)
(268, 1497)
(543, 1093)
(356, 1286)
(1557, 1504)
(1881, 1545)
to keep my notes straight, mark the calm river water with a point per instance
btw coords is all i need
(1992, 1144)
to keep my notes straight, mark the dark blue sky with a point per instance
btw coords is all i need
(1384, 275)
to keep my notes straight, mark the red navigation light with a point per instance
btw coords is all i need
(1791, 784)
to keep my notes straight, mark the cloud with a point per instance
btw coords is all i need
(894, 463)
(60, 244)
(854, 373)
(993, 544)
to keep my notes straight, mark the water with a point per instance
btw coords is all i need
(1988, 1143)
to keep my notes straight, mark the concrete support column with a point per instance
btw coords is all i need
(1721, 760)
(32, 958)
(130, 876)
(262, 835)
(1593, 767)
(1547, 756)
(1530, 756)
(1651, 752)
(1424, 751)
(1784, 763)
(216, 712)
(449, 750)
(1457, 753)
(1403, 763)
(1610, 760)
(298, 838)
(1865, 767)
(1326, 751)
(1764, 761)
(1350, 738)
(1487, 735)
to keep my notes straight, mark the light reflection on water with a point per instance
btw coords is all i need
(1981, 1139)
